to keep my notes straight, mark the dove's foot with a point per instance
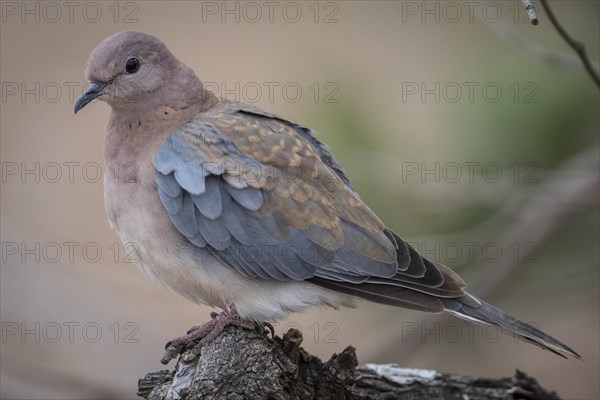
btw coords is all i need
(206, 333)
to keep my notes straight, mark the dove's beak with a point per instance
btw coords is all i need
(90, 92)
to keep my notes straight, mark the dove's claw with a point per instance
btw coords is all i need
(266, 325)
(170, 353)
(206, 332)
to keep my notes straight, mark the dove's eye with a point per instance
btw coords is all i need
(132, 65)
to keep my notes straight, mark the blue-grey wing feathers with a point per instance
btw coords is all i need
(251, 224)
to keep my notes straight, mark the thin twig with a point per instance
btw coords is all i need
(576, 45)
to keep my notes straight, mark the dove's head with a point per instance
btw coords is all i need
(129, 68)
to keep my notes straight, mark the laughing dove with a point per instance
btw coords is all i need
(234, 207)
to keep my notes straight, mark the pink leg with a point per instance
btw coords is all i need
(206, 332)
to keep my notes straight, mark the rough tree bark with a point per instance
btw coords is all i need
(241, 364)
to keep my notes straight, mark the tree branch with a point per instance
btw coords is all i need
(579, 47)
(241, 364)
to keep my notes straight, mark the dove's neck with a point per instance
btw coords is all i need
(176, 102)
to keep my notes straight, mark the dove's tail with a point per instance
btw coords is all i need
(432, 287)
(475, 310)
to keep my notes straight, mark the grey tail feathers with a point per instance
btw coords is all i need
(475, 310)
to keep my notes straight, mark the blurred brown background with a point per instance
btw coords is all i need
(470, 132)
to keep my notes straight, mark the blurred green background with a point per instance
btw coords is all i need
(470, 132)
